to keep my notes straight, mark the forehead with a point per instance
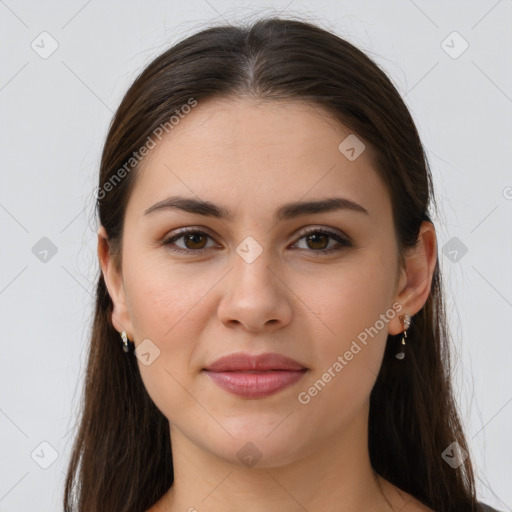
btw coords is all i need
(254, 153)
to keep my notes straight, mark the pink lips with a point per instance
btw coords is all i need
(255, 376)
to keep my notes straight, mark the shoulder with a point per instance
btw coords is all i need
(400, 499)
(405, 502)
(415, 506)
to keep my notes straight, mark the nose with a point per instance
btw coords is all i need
(256, 297)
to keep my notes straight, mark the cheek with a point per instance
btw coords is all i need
(335, 315)
(167, 309)
(344, 302)
(350, 334)
(164, 299)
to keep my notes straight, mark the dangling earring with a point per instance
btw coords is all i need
(406, 321)
(124, 337)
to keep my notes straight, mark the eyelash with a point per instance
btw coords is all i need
(342, 241)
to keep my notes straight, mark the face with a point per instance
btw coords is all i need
(306, 284)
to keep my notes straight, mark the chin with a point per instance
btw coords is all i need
(261, 447)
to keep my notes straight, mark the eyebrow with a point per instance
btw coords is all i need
(284, 212)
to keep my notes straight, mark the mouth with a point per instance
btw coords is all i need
(255, 376)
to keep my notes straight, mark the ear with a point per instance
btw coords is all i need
(416, 276)
(114, 281)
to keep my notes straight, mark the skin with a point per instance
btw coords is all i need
(251, 157)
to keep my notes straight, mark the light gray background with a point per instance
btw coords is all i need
(55, 113)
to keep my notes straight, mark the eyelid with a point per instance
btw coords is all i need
(341, 238)
(330, 231)
(176, 235)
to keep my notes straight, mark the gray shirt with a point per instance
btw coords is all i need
(482, 507)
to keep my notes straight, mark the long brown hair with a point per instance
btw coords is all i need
(122, 457)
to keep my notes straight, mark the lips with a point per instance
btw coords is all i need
(255, 376)
(242, 362)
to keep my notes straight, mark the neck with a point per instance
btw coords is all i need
(335, 475)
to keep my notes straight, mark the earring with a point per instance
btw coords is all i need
(124, 337)
(406, 321)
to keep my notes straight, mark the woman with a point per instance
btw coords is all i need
(269, 330)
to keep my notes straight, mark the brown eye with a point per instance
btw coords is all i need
(193, 240)
(317, 240)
